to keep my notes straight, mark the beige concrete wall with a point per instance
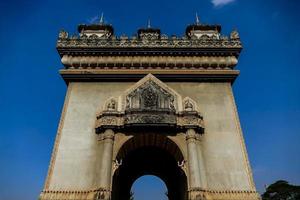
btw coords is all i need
(76, 166)
(222, 148)
(78, 155)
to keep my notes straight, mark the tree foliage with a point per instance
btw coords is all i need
(282, 190)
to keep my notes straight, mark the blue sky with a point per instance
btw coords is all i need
(32, 92)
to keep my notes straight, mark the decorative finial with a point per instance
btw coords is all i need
(234, 35)
(63, 34)
(197, 19)
(101, 18)
(149, 23)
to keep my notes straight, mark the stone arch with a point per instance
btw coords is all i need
(150, 139)
(124, 138)
(150, 154)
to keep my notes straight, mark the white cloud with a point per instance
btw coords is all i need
(219, 3)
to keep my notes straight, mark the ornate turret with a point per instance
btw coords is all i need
(149, 32)
(205, 31)
(100, 29)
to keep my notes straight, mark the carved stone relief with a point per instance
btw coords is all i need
(151, 103)
(112, 105)
(150, 96)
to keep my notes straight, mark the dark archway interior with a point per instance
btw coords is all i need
(149, 160)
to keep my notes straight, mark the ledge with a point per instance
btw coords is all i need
(129, 75)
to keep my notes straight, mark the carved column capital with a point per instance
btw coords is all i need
(108, 134)
(191, 135)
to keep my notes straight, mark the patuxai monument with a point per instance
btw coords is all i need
(149, 104)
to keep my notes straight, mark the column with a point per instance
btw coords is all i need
(106, 162)
(202, 167)
(194, 170)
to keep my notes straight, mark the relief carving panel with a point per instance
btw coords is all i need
(150, 104)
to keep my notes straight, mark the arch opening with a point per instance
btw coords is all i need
(158, 156)
(149, 187)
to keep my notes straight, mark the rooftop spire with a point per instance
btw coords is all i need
(149, 24)
(101, 19)
(197, 19)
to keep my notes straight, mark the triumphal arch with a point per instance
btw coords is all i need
(149, 104)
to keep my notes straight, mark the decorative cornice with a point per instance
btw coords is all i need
(149, 49)
(195, 62)
(171, 74)
(163, 42)
(149, 42)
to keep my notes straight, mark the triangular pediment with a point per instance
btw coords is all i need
(151, 93)
(148, 78)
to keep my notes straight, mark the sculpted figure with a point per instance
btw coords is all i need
(111, 105)
(188, 106)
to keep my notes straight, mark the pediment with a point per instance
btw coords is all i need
(151, 93)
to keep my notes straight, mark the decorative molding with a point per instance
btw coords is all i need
(166, 75)
(148, 36)
(183, 165)
(58, 137)
(203, 194)
(146, 62)
(104, 194)
(122, 121)
(149, 50)
(116, 164)
(94, 194)
(125, 42)
(190, 119)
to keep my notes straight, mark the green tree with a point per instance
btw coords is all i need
(281, 190)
